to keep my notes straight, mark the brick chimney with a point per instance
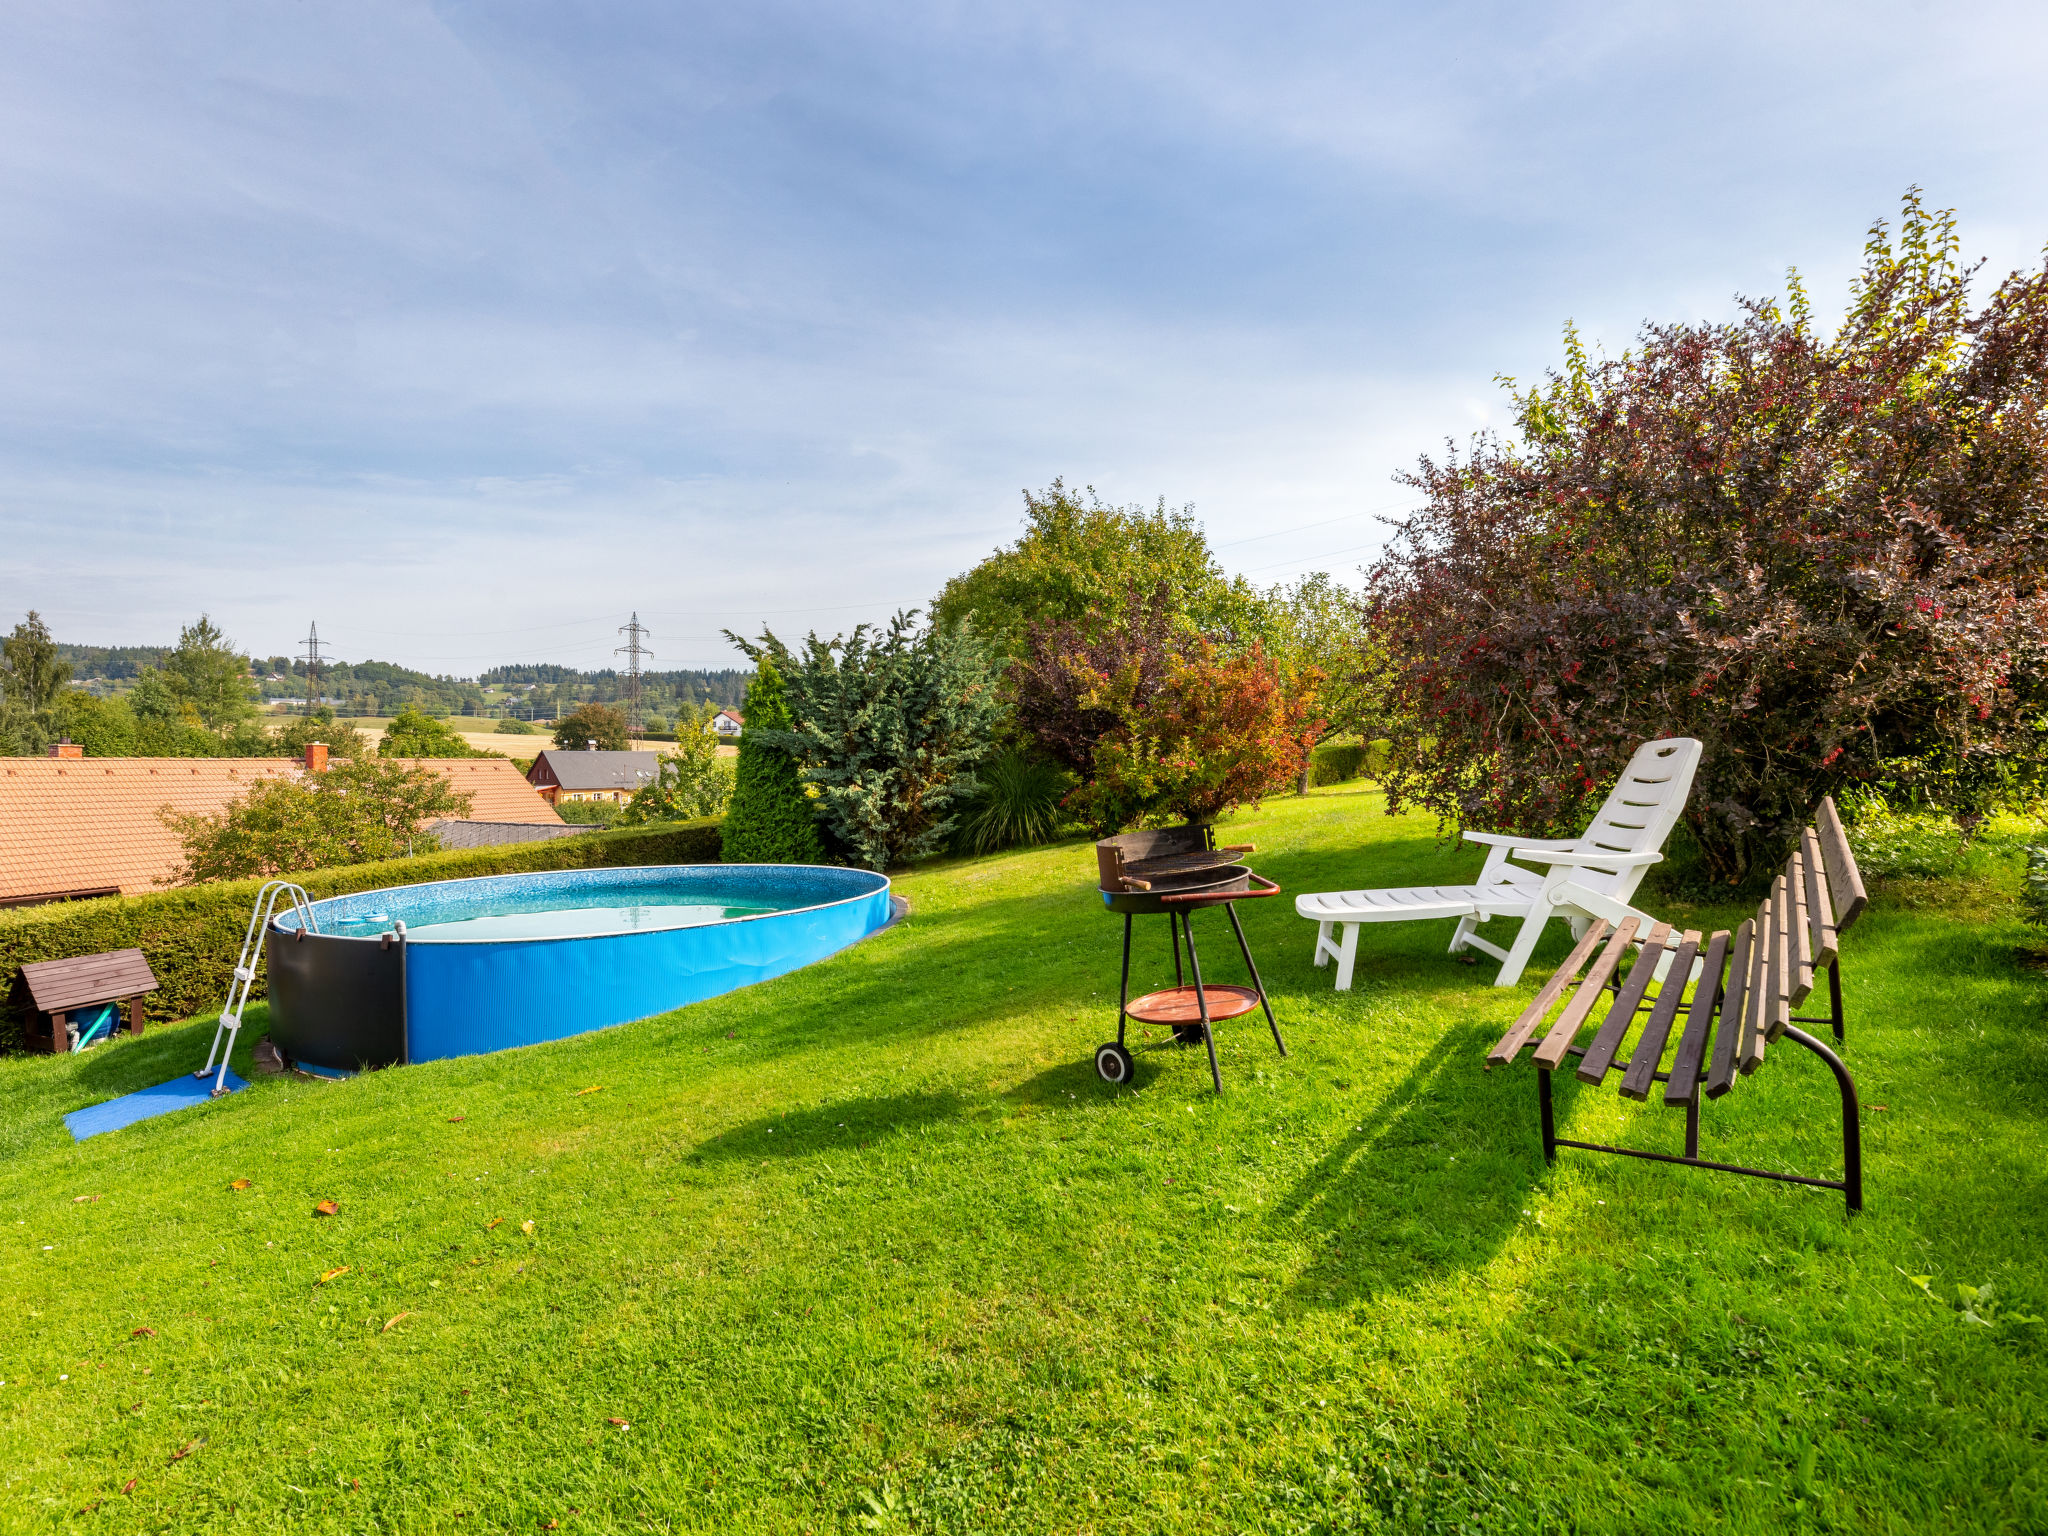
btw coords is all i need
(316, 757)
(66, 748)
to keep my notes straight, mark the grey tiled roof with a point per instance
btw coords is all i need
(596, 770)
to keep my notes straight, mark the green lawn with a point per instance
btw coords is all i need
(870, 1248)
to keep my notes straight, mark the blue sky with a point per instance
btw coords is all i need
(466, 329)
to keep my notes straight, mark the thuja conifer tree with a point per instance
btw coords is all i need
(770, 819)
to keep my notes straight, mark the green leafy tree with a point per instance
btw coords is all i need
(103, 727)
(164, 725)
(1083, 561)
(412, 734)
(593, 722)
(510, 727)
(342, 741)
(354, 813)
(888, 728)
(1313, 625)
(208, 673)
(691, 780)
(770, 819)
(30, 673)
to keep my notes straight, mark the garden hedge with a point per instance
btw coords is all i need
(1335, 762)
(191, 935)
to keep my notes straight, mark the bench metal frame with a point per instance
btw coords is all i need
(1851, 1182)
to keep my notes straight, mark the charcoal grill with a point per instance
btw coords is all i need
(1177, 872)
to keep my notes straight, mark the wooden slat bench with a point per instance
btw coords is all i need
(1744, 986)
(60, 988)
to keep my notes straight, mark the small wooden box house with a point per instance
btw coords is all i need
(85, 994)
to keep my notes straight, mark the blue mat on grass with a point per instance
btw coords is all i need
(144, 1104)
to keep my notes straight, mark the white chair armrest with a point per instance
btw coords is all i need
(1497, 840)
(1538, 855)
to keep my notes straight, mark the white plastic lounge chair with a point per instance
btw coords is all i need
(1589, 876)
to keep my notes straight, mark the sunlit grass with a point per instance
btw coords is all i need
(870, 1248)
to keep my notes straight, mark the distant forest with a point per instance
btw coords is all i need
(536, 691)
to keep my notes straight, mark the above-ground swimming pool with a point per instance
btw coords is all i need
(517, 959)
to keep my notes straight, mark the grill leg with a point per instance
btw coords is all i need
(1173, 936)
(1549, 1123)
(1123, 991)
(1692, 1123)
(1202, 1001)
(1835, 998)
(1258, 986)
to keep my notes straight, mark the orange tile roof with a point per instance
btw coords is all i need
(89, 825)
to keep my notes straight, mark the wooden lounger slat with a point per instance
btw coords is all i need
(1614, 1028)
(1733, 1007)
(1557, 1044)
(1798, 930)
(1518, 1034)
(1818, 907)
(1845, 880)
(1649, 1047)
(1756, 1014)
(1684, 1085)
(1777, 1001)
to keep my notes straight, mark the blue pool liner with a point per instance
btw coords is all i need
(470, 998)
(145, 1104)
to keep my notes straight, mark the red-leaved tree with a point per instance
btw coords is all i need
(1823, 556)
(1158, 722)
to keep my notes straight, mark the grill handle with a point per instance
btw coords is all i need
(1211, 898)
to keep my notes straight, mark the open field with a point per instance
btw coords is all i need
(869, 1248)
(479, 735)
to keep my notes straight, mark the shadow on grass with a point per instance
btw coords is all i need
(829, 1128)
(1431, 1179)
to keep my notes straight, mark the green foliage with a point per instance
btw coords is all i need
(1336, 762)
(1085, 561)
(888, 728)
(2034, 886)
(1018, 804)
(192, 934)
(206, 673)
(770, 819)
(654, 723)
(1890, 842)
(355, 813)
(590, 813)
(103, 727)
(598, 723)
(412, 734)
(691, 780)
(342, 741)
(511, 727)
(30, 673)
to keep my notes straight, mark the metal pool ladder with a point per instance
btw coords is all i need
(230, 1025)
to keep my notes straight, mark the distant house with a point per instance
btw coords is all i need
(562, 775)
(728, 722)
(87, 826)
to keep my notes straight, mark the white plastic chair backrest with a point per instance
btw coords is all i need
(1640, 813)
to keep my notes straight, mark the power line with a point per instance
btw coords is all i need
(1390, 506)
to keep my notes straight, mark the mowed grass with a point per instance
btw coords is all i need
(871, 1248)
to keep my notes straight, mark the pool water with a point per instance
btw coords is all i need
(566, 916)
(578, 922)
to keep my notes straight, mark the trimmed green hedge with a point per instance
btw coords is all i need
(192, 934)
(1337, 761)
